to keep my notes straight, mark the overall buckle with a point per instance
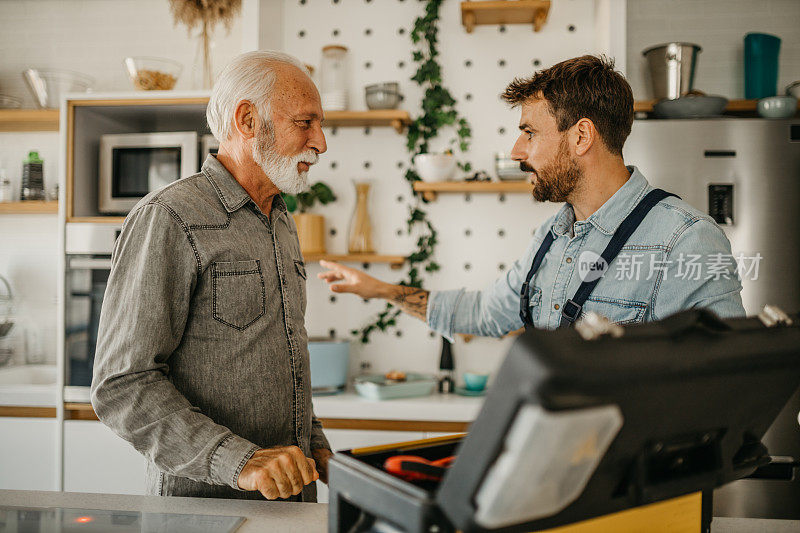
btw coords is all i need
(571, 310)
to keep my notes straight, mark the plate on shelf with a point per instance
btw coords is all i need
(463, 391)
(691, 107)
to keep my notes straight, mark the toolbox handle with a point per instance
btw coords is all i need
(694, 320)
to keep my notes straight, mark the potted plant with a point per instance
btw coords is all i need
(310, 226)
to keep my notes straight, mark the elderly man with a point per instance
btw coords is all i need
(575, 117)
(202, 359)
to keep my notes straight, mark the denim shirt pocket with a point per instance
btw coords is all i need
(535, 305)
(300, 268)
(239, 295)
(618, 310)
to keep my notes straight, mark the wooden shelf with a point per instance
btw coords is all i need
(396, 118)
(505, 12)
(29, 119)
(32, 207)
(430, 189)
(103, 219)
(394, 261)
(733, 107)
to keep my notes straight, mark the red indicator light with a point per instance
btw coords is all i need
(84, 519)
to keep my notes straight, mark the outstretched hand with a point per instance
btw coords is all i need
(345, 279)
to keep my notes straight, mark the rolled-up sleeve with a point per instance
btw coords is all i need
(145, 309)
(702, 274)
(492, 312)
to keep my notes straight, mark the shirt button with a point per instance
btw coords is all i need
(569, 260)
(291, 332)
(556, 307)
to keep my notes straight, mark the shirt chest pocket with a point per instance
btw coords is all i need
(617, 310)
(239, 295)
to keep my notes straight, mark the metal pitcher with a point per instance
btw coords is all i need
(672, 68)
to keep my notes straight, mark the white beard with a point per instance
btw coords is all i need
(282, 170)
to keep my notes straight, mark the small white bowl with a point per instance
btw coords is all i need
(435, 167)
(777, 107)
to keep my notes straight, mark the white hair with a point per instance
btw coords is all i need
(250, 76)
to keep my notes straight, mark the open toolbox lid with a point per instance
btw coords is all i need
(573, 429)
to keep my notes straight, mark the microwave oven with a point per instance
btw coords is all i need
(135, 164)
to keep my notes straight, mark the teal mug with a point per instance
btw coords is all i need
(761, 65)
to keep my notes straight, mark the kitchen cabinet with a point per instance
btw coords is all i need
(97, 460)
(28, 453)
(344, 439)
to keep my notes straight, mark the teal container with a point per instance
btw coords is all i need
(761, 52)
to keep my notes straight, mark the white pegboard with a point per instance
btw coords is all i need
(482, 231)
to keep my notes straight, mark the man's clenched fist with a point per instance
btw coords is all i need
(278, 472)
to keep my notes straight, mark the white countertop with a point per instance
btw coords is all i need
(433, 408)
(436, 407)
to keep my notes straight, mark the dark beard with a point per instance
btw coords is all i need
(556, 180)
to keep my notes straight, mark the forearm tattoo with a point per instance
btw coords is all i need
(412, 300)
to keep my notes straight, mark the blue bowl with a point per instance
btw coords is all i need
(475, 382)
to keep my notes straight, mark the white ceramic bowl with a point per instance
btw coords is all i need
(777, 107)
(435, 167)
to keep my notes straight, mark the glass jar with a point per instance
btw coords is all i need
(333, 78)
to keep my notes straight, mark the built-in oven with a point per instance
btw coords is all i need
(134, 164)
(86, 279)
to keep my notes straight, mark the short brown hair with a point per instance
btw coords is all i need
(581, 87)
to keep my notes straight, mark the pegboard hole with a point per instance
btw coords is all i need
(501, 63)
(332, 299)
(333, 165)
(335, 32)
(468, 97)
(467, 232)
(467, 266)
(468, 63)
(501, 130)
(368, 32)
(571, 28)
(501, 267)
(401, 31)
(332, 333)
(501, 233)
(502, 28)
(368, 65)
(401, 64)
(301, 33)
(332, 232)
(367, 164)
(537, 62)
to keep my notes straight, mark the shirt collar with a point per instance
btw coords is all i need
(230, 192)
(611, 214)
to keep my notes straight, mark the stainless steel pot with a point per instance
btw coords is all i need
(672, 68)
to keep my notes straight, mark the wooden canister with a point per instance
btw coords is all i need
(310, 232)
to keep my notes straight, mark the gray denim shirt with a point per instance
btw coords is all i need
(202, 353)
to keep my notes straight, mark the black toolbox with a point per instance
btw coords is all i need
(575, 429)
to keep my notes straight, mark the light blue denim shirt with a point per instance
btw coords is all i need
(677, 259)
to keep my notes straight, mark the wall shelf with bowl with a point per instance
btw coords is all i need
(739, 107)
(29, 119)
(31, 207)
(430, 190)
(395, 261)
(396, 118)
(502, 12)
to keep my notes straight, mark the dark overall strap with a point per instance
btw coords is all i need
(525, 298)
(571, 309)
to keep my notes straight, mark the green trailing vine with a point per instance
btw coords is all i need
(438, 111)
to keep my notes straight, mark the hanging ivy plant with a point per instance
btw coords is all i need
(438, 111)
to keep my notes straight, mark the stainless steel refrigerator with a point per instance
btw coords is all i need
(745, 173)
